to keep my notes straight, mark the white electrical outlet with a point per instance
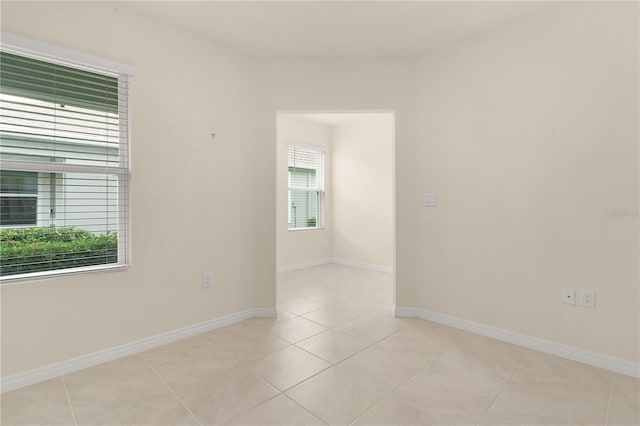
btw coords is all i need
(587, 298)
(569, 296)
(207, 280)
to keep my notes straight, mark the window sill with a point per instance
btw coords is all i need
(47, 275)
(306, 229)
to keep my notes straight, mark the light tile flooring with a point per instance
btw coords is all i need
(334, 356)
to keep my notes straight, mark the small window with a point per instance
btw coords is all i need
(306, 187)
(65, 166)
(18, 198)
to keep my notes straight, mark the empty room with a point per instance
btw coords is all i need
(320, 213)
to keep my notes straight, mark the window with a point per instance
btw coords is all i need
(18, 198)
(306, 187)
(64, 166)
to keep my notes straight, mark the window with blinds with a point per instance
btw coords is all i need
(306, 187)
(64, 167)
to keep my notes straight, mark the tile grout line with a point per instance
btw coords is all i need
(398, 387)
(354, 319)
(261, 403)
(256, 406)
(343, 359)
(358, 318)
(304, 408)
(308, 312)
(349, 356)
(606, 413)
(504, 385)
(172, 391)
(445, 348)
(66, 390)
(563, 380)
(332, 364)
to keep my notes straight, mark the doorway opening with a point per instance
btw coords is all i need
(335, 214)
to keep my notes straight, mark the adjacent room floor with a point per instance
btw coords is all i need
(334, 356)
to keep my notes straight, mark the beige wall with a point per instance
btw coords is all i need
(362, 191)
(303, 246)
(529, 134)
(184, 185)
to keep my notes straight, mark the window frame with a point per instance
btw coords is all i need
(23, 46)
(320, 190)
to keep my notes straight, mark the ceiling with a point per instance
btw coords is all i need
(336, 28)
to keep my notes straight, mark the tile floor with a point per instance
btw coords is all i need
(334, 356)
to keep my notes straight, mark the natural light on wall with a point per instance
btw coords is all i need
(306, 187)
(64, 167)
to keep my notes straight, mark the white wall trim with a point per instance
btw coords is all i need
(31, 47)
(50, 371)
(361, 265)
(337, 261)
(304, 265)
(576, 354)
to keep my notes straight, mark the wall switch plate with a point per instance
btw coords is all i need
(587, 298)
(430, 199)
(569, 296)
(207, 280)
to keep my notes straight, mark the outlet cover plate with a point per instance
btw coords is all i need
(568, 296)
(587, 298)
(207, 280)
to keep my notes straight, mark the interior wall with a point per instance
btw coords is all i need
(362, 194)
(529, 134)
(184, 186)
(351, 84)
(311, 245)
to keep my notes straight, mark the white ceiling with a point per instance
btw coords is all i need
(336, 28)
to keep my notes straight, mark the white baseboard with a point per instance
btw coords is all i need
(576, 354)
(361, 265)
(337, 261)
(303, 265)
(40, 374)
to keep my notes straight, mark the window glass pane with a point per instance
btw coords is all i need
(29, 250)
(51, 112)
(13, 182)
(302, 178)
(304, 209)
(48, 81)
(18, 211)
(76, 218)
(34, 130)
(306, 187)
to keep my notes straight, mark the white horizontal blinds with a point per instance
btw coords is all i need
(306, 187)
(52, 112)
(64, 158)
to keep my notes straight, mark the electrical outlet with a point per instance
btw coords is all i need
(587, 298)
(207, 280)
(569, 296)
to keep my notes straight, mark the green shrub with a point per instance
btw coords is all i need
(46, 249)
